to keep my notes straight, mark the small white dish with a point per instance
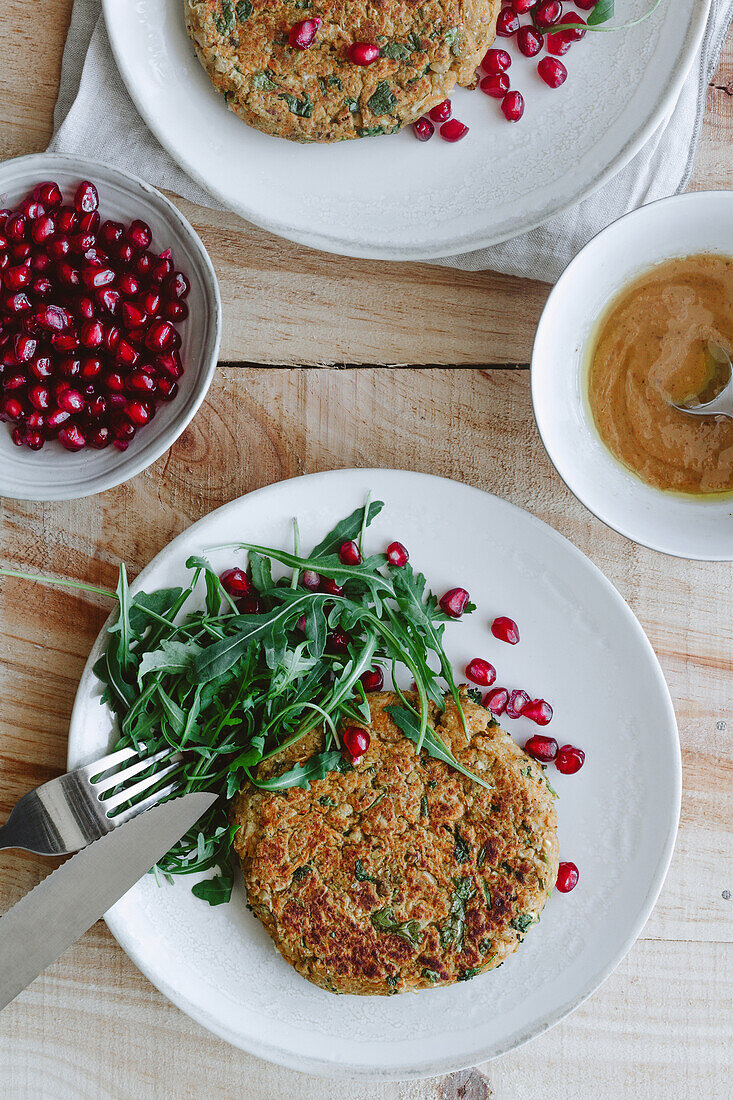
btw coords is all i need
(54, 473)
(674, 524)
(581, 648)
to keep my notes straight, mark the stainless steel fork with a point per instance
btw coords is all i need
(69, 812)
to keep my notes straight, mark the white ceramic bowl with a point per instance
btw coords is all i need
(678, 226)
(54, 473)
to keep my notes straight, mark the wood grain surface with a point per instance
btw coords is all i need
(92, 1027)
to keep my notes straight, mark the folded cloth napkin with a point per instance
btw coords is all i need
(93, 111)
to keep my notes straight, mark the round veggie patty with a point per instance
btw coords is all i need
(318, 94)
(400, 873)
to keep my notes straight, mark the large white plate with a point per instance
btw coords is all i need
(582, 649)
(394, 197)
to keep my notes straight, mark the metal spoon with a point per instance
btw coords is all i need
(722, 405)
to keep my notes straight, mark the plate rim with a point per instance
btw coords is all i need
(669, 94)
(149, 453)
(658, 545)
(445, 1064)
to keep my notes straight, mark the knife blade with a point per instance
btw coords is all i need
(39, 928)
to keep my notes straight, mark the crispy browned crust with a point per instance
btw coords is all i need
(410, 835)
(244, 48)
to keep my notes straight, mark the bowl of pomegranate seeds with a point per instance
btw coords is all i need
(110, 322)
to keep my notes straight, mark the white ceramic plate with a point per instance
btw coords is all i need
(679, 226)
(394, 197)
(582, 649)
(53, 473)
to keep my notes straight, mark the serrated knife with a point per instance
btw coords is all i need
(60, 909)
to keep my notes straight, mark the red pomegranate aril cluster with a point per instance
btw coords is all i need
(356, 742)
(88, 343)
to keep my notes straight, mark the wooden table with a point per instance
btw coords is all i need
(92, 1026)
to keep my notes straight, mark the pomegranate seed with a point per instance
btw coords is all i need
(123, 429)
(373, 680)
(12, 408)
(529, 41)
(585, 5)
(517, 702)
(67, 219)
(40, 261)
(143, 383)
(86, 198)
(552, 71)
(349, 553)
(139, 412)
(67, 273)
(397, 555)
(480, 672)
(126, 355)
(541, 748)
(91, 367)
(453, 130)
(547, 13)
(16, 227)
(35, 420)
(48, 193)
(53, 318)
(112, 232)
(92, 334)
(71, 401)
(538, 711)
(310, 580)
(507, 23)
(34, 440)
(94, 277)
(170, 364)
(513, 106)
(32, 209)
(249, 605)
(567, 877)
(303, 32)
(177, 286)
(64, 341)
(496, 61)
(160, 336)
(89, 222)
(41, 367)
(328, 585)
(121, 444)
(97, 407)
(99, 437)
(571, 33)
(454, 601)
(19, 436)
(69, 367)
(81, 243)
(133, 315)
(111, 337)
(22, 251)
(338, 641)
(55, 419)
(139, 235)
(58, 248)
(43, 229)
(235, 582)
(506, 630)
(150, 302)
(17, 303)
(72, 437)
(356, 742)
(114, 382)
(496, 85)
(85, 308)
(40, 398)
(523, 6)
(363, 53)
(496, 700)
(423, 129)
(16, 278)
(108, 299)
(24, 348)
(175, 311)
(569, 760)
(159, 269)
(167, 389)
(15, 382)
(442, 111)
(125, 253)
